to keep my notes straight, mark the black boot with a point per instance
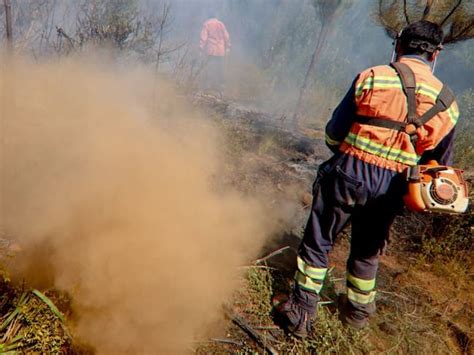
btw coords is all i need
(354, 317)
(296, 313)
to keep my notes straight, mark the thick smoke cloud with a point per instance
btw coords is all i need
(106, 181)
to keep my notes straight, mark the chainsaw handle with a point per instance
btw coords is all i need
(436, 169)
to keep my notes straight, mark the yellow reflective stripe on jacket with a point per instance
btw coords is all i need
(331, 141)
(427, 90)
(367, 84)
(378, 82)
(380, 150)
(311, 271)
(453, 113)
(388, 82)
(360, 297)
(361, 284)
(307, 283)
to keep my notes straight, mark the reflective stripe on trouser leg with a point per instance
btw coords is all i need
(363, 298)
(360, 284)
(308, 277)
(359, 290)
(361, 272)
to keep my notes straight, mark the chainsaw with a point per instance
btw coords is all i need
(436, 188)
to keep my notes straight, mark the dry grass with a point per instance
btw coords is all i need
(254, 304)
(30, 321)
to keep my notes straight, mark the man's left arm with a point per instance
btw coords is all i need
(203, 37)
(226, 39)
(439, 145)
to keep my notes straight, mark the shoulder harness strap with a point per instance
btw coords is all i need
(407, 77)
(412, 122)
(443, 102)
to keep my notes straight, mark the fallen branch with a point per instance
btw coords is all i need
(394, 294)
(272, 254)
(228, 341)
(242, 324)
(270, 327)
(257, 267)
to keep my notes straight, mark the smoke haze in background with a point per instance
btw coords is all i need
(111, 199)
(272, 44)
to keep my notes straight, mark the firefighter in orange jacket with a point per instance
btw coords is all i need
(215, 45)
(363, 181)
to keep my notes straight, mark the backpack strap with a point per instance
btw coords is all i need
(443, 102)
(382, 122)
(407, 77)
(412, 121)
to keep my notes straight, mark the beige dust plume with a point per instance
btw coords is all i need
(107, 181)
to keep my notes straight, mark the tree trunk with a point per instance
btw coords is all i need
(8, 19)
(312, 64)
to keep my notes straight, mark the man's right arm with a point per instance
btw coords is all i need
(341, 121)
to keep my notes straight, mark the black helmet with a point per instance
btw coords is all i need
(421, 37)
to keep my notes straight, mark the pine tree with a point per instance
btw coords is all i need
(455, 16)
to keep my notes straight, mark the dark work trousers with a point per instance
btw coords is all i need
(348, 189)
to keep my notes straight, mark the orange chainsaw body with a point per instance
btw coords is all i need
(436, 188)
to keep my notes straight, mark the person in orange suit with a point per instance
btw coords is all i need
(215, 46)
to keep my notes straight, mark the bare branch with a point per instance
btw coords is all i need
(427, 9)
(455, 18)
(405, 12)
(164, 17)
(272, 254)
(451, 13)
(8, 21)
(251, 332)
(463, 34)
(61, 33)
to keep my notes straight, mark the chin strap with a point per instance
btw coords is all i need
(433, 67)
(394, 50)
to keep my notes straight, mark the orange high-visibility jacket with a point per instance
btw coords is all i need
(378, 93)
(215, 39)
